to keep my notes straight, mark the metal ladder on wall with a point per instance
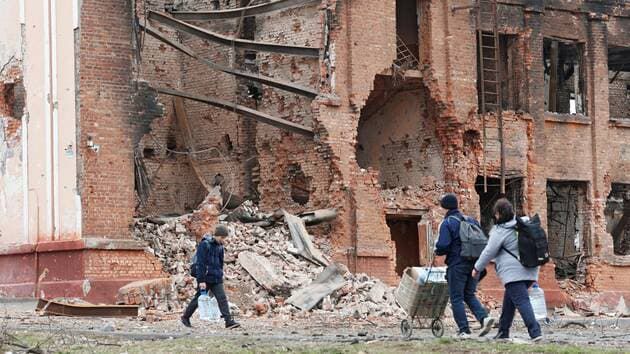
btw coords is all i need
(490, 81)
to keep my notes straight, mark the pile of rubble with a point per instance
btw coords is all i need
(266, 268)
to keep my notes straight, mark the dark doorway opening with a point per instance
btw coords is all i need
(567, 214)
(404, 233)
(408, 45)
(513, 192)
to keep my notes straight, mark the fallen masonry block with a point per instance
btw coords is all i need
(263, 272)
(329, 280)
(302, 240)
(142, 292)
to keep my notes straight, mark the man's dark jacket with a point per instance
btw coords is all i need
(210, 261)
(448, 242)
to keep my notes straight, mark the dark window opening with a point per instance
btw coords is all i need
(513, 192)
(148, 153)
(407, 43)
(502, 76)
(564, 76)
(567, 227)
(171, 145)
(227, 143)
(619, 82)
(618, 218)
(299, 184)
(405, 235)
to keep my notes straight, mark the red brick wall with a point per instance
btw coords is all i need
(105, 264)
(105, 109)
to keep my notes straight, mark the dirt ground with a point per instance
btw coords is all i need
(306, 333)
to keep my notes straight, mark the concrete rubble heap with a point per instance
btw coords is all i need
(172, 243)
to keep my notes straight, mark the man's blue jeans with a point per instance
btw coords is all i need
(517, 297)
(462, 288)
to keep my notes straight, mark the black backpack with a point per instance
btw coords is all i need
(533, 248)
(194, 266)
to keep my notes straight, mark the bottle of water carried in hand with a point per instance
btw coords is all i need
(208, 307)
(537, 299)
(204, 306)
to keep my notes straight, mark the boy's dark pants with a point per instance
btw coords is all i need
(219, 293)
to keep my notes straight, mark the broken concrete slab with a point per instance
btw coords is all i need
(329, 280)
(622, 309)
(263, 272)
(302, 240)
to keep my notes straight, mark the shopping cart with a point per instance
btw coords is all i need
(423, 304)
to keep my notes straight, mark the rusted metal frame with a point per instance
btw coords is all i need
(238, 12)
(483, 96)
(287, 86)
(184, 127)
(236, 42)
(242, 110)
(49, 307)
(499, 106)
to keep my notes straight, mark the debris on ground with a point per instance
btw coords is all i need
(84, 309)
(264, 266)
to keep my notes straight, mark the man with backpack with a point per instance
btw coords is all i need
(207, 267)
(518, 247)
(462, 240)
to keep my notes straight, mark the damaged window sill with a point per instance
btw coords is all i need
(620, 122)
(567, 118)
(617, 260)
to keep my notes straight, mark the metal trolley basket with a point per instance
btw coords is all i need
(424, 304)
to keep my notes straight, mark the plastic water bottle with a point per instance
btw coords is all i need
(537, 298)
(204, 306)
(208, 307)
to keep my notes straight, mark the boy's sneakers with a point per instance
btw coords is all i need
(501, 335)
(486, 325)
(463, 335)
(185, 321)
(232, 324)
(537, 339)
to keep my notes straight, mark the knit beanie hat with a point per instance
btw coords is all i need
(448, 201)
(221, 230)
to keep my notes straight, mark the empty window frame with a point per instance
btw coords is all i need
(564, 76)
(619, 82)
(508, 69)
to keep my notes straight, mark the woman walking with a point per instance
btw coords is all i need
(513, 275)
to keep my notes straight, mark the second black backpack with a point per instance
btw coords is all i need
(533, 247)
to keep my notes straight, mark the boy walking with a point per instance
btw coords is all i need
(461, 285)
(209, 275)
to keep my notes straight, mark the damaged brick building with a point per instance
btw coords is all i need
(376, 108)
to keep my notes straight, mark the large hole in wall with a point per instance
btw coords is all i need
(513, 192)
(300, 184)
(564, 76)
(618, 217)
(404, 233)
(395, 135)
(619, 82)
(567, 226)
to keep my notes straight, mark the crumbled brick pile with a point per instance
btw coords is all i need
(174, 246)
